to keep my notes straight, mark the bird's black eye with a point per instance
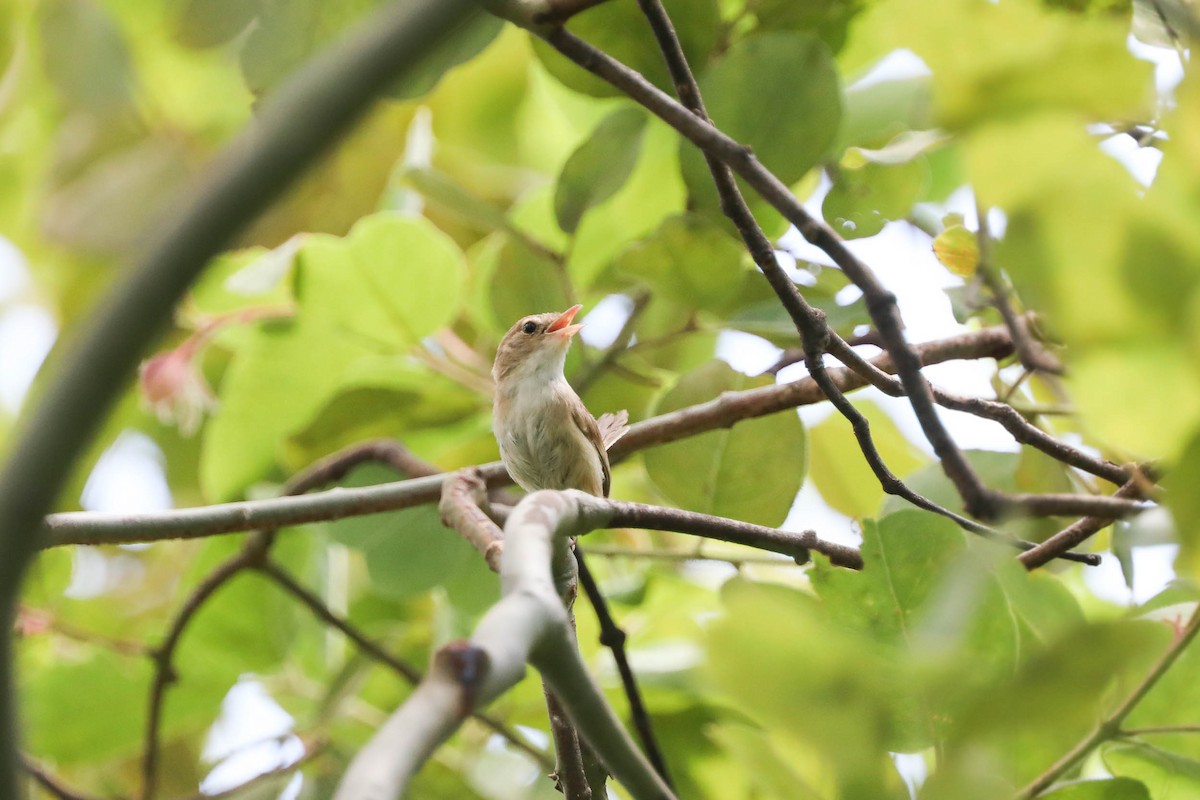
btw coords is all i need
(529, 327)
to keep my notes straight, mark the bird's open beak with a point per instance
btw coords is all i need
(562, 326)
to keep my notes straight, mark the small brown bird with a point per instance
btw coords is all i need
(548, 440)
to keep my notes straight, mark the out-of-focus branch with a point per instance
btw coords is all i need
(1033, 356)
(50, 782)
(528, 624)
(296, 124)
(1110, 726)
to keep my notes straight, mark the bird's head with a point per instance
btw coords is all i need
(535, 348)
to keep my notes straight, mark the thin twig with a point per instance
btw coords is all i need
(1110, 726)
(163, 655)
(372, 650)
(48, 781)
(1152, 730)
(313, 747)
(1074, 534)
(1032, 355)
(586, 377)
(613, 637)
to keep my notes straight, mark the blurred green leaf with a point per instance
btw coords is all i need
(806, 690)
(750, 472)
(689, 260)
(525, 282)
(1035, 59)
(865, 199)
(600, 166)
(1164, 774)
(406, 552)
(1109, 789)
(85, 56)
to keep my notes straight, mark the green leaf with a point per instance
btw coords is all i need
(878, 111)
(1111, 789)
(865, 199)
(1157, 377)
(78, 709)
(85, 56)
(621, 31)
(285, 35)
(272, 388)
(653, 192)
(777, 93)
(750, 472)
(786, 683)
(1050, 704)
(1165, 774)
(905, 556)
(690, 260)
(843, 476)
(1035, 59)
(1185, 504)
(407, 552)
(599, 166)
(393, 280)
(525, 282)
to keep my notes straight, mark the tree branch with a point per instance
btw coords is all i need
(881, 303)
(1074, 534)
(529, 623)
(1110, 726)
(613, 637)
(296, 124)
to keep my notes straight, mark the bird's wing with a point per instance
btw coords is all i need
(612, 427)
(591, 431)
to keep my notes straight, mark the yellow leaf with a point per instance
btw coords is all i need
(958, 250)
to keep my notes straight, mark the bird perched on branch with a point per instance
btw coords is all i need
(548, 439)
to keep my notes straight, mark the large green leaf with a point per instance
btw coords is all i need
(653, 192)
(992, 60)
(690, 260)
(1110, 789)
(777, 93)
(864, 199)
(406, 552)
(85, 56)
(750, 472)
(1167, 775)
(777, 660)
(393, 280)
(600, 166)
(839, 470)
(272, 388)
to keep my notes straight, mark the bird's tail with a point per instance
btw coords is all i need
(612, 427)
